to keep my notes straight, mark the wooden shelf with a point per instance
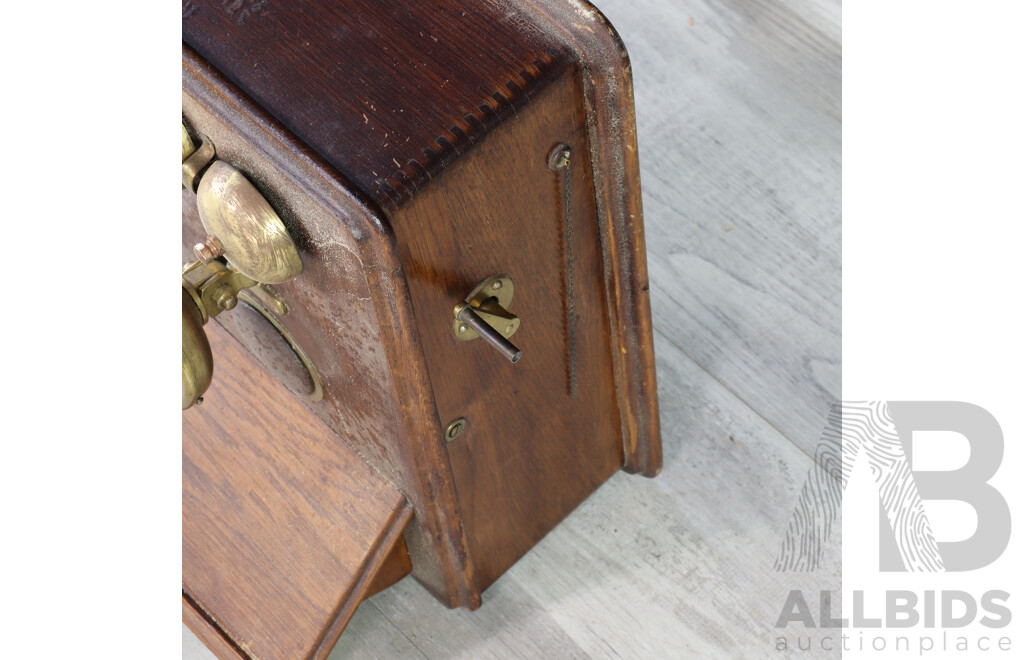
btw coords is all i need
(285, 530)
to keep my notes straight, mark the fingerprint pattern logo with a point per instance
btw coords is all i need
(854, 428)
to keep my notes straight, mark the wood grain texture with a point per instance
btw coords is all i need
(394, 91)
(738, 118)
(676, 567)
(284, 528)
(537, 453)
(390, 94)
(351, 313)
(531, 451)
(611, 127)
(205, 630)
(396, 566)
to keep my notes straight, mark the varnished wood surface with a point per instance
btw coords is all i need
(611, 127)
(395, 567)
(532, 451)
(351, 313)
(535, 451)
(739, 131)
(387, 92)
(284, 528)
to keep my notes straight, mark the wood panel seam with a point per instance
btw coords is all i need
(215, 627)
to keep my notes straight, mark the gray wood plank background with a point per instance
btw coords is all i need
(739, 119)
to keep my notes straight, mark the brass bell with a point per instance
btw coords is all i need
(196, 357)
(247, 245)
(251, 235)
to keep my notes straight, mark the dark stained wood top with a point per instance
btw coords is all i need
(284, 528)
(389, 93)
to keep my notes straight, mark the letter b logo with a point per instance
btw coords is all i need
(967, 484)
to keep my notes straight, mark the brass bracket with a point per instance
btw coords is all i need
(194, 162)
(214, 286)
(485, 314)
(267, 297)
(490, 300)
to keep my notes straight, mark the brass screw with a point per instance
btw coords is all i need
(510, 328)
(462, 328)
(455, 429)
(224, 297)
(496, 285)
(559, 158)
(208, 251)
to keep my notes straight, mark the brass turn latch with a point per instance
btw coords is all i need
(484, 314)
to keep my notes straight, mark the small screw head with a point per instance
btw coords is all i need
(208, 251)
(510, 328)
(462, 327)
(455, 429)
(559, 157)
(225, 298)
(496, 285)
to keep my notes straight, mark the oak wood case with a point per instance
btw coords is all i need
(406, 146)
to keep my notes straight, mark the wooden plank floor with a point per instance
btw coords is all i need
(739, 118)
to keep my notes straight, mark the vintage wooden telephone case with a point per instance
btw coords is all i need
(416, 259)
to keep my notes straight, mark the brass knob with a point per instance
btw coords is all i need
(248, 245)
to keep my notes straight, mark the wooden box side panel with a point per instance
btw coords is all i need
(542, 433)
(611, 124)
(351, 313)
